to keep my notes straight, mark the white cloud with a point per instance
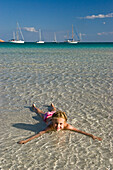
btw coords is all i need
(31, 29)
(98, 16)
(105, 33)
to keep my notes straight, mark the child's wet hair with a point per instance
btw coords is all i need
(59, 114)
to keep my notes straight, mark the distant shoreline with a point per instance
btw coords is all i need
(60, 42)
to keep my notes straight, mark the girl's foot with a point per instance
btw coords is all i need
(53, 107)
(33, 107)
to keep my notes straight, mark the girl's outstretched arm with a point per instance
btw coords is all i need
(69, 127)
(34, 136)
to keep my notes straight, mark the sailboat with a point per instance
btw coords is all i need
(72, 41)
(40, 41)
(55, 40)
(17, 35)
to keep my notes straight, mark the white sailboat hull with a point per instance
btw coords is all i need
(73, 42)
(17, 41)
(40, 42)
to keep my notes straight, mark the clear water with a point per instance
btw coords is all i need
(78, 79)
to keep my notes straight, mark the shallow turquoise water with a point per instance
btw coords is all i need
(56, 45)
(78, 80)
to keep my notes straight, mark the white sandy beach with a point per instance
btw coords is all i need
(77, 81)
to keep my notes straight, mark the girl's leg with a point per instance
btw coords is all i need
(52, 107)
(37, 110)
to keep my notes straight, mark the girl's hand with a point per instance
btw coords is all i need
(94, 137)
(21, 142)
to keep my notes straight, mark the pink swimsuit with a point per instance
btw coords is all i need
(48, 115)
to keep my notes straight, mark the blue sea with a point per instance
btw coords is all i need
(78, 79)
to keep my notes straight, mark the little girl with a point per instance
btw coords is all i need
(56, 121)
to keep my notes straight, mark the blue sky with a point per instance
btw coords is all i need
(92, 18)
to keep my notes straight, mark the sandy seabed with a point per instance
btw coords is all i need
(77, 81)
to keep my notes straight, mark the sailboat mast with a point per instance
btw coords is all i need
(80, 35)
(72, 31)
(39, 34)
(55, 37)
(17, 32)
(20, 32)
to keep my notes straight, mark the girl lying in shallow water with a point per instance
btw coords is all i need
(56, 121)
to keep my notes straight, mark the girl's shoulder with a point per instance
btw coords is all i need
(68, 127)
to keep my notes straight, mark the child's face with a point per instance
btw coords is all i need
(58, 124)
